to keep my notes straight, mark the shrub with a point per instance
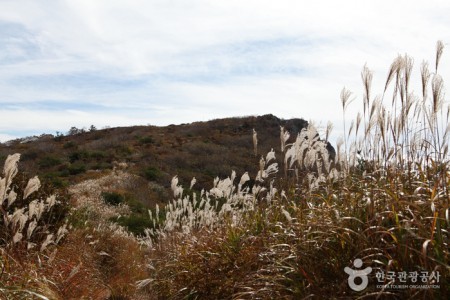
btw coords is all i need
(78, 155)
(49, 161)
(75, 169)
(69, 144)
(97, 155)
(54, 179)
(135, 223)
(30, 155)
(123, 149)
(58, 137)
(152, 173)
(138, 220)
(146, 140)
(75, 131)
(102, 166)
(112, 198)
(135, 205)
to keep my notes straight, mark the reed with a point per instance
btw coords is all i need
(383, 197)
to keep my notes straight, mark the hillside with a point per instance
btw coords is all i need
(201, 149)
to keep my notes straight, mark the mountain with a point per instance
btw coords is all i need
(201, 149)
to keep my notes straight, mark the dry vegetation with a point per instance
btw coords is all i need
(285, 230)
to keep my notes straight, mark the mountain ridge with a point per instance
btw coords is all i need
(203, 149)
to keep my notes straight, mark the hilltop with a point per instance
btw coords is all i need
(156, 154)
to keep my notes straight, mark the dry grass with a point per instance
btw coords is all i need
(383, 198)
(41, 259)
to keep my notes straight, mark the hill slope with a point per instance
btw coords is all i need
(201, 149)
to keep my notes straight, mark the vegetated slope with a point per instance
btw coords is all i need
(201, 149)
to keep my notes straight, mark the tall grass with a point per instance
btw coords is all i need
(383, 198)
(30, 222)
(40, 258)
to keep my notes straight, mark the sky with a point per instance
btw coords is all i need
(158, 62)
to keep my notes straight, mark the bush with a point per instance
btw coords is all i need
(78, 155)
(29, 155)
(135, 205)
(112, 198)
(97, 155)
(136, 223)
(54, 179)
(69, 144)
(75, 131)
(58, 137)
(101, 166)
(123, 149)
(152, 173)
(75, 169)
(146, 140)
(49, 161)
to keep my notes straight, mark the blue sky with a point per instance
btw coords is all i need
(136, 62)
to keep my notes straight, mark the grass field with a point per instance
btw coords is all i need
(287, 232)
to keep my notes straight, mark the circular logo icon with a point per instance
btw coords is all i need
(353, 274)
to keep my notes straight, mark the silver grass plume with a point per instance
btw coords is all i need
(255, 142)
(284, 136)
(23, 223)
(425, 76)
(266, 168)
(328, 130)
(439, 50)
(366, 76)
(32, 186)
(193, 181)
(9, 171)
(437, 85)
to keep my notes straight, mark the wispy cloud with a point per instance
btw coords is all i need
(77, 63)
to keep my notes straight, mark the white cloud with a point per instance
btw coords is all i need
(181, 61)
